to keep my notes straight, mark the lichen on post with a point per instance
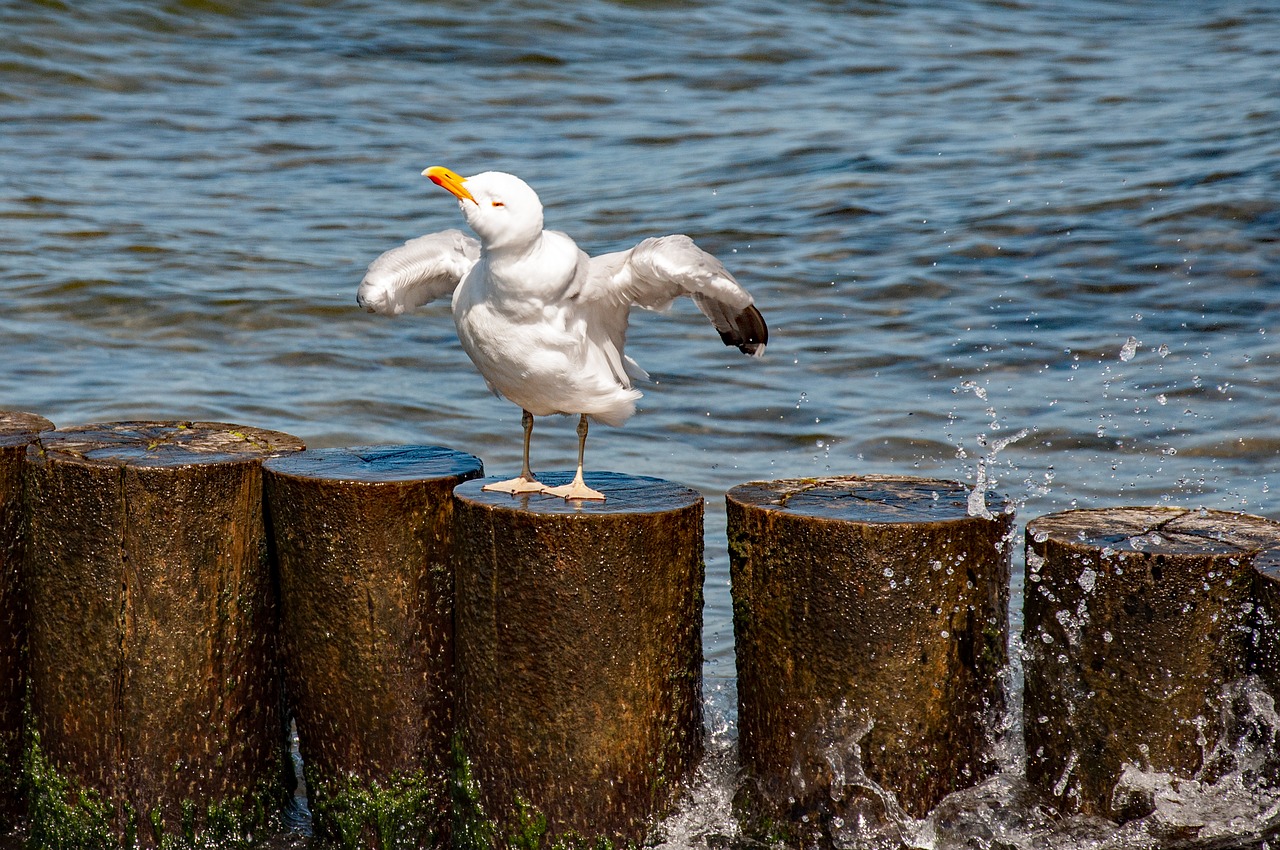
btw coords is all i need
(870, 625)
(363, 537)
(16, 431)
(1137, 623)
(154, 698)
(579, 658)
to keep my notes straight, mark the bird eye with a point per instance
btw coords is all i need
(499, 204)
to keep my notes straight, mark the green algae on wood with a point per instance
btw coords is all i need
(400, 812)
(363, 537)
(63, 814)
(579, 655)
(1137, 623)
(870, 624)
(525, 829)
(154, 675)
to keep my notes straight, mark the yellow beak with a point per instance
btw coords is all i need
(450, 181)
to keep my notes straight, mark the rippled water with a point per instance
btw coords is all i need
(961, 222)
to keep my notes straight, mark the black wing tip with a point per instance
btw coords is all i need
(749, 333)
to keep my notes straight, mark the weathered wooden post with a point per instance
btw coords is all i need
(16, 431)
(154, 677)
(579, 654)
(364, 538)
(870, 625)
(1136, 619)
(1264, 638)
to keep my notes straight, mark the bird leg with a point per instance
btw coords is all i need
(525, 483)
(578, 488)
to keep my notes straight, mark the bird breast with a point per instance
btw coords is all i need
(535, 348)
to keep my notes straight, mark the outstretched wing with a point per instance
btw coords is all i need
(419, 271)
(660, 270)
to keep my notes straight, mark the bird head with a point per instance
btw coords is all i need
(501, 208)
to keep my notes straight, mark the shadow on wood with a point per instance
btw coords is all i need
(579, 655)
(16, 431)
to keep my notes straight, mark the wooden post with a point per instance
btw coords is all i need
(1135, 621)
(364, 543)
(154, 677)
(16, 431)
(870, 625)
(1264, 637)
(579, 657)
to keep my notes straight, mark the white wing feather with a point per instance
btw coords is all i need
(659, 270)
(419, 271)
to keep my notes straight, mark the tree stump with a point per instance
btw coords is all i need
(16, 431)
(579, 654)
(1136, 621)
(154, 676)
(870, 625)
(364, 540)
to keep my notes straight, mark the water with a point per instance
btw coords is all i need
(961, 223)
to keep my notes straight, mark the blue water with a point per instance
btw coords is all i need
(955, 220)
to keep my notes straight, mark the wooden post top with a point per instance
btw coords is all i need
(625, 494)
(864, 499)
(162, 444)
(377, 464)
(1159, 530)
(17, 427)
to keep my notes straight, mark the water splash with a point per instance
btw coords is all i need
(1234, 802)
(1237, 792)
(982, 479)
(703, 818)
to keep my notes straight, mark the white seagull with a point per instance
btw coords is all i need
(544, 323)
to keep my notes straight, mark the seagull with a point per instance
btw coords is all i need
(544, 323)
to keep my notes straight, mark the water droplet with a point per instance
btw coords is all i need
(1129, 349)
